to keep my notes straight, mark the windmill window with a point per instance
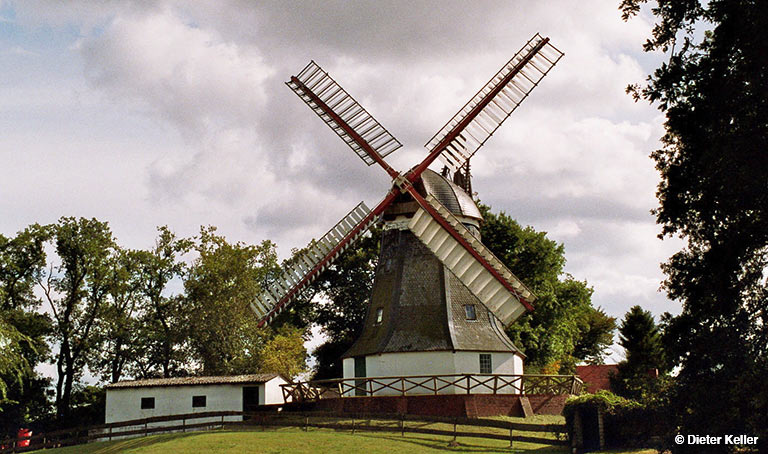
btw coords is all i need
(486, 367)
(470, 312)
(198, 401)
(147, 403)
(379, 315)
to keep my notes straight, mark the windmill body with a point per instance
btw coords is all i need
(441, 299)
(421, 319)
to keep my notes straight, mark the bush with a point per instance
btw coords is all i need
(626, 423)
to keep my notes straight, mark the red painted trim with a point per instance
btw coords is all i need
(428, 208)
(307, 277)
(348, 129)
(416, 172)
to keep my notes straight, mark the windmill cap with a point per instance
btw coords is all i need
(450, 195)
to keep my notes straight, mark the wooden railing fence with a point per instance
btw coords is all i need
(431, 384)
(396, 423)
(84, 434)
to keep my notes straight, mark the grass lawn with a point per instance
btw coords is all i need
(535, 419)
(295, 441)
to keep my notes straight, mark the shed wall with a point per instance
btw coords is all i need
(124, 404)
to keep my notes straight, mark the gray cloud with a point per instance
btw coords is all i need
(193, 93)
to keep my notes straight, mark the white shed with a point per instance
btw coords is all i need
(139, 399)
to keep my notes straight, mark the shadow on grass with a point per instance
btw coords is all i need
(120, 446)
(442, 445)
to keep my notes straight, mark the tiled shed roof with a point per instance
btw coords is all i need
(188, 381)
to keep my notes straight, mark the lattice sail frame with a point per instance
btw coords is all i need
(315, 87)
(474, 124)
(313, 260)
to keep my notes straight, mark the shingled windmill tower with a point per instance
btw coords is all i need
(422, 319)
(440, 298)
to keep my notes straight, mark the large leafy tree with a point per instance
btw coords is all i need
(23, 329)
(116, 332)
(595, 336)
(564, 323)
(714, 194)
(161, 347)
(222, 329)
(77, 290)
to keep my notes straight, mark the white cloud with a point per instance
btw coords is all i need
(187, 74)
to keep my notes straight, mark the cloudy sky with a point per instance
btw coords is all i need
(160, 112)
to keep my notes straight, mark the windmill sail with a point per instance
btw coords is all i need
(314, 259)
(468, 130)
(356, 127)
(491, 282)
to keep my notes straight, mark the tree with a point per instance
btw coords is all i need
(76, 291)
(13, 365)
(714, 92)
(595, 336)
(219, 286)
(553, 330)
(644, 351)
(22, 260)
(116, 333)
(284, 353)
(23, 329)
(161, 347)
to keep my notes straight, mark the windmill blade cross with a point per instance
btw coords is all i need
(474, 124)
(475, 265)
(346, 117)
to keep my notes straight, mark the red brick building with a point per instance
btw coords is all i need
(597, 376)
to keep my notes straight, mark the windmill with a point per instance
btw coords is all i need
(431, 231)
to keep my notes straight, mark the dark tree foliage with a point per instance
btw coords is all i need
(714, 194)
(117, 328)
(560, 322)
(644, 350)
(159, 347)
(23, 330)
(595, 336)
(343, 290)
(76, 291)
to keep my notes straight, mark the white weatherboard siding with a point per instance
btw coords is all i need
(272, 393)
(434, 363)
(124, 404)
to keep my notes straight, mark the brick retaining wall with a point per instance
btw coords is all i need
(464, 405)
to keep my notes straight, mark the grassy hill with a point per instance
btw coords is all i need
(294, 441)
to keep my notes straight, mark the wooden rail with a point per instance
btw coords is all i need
(324, 420)
(431, 385)
(84, 434)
